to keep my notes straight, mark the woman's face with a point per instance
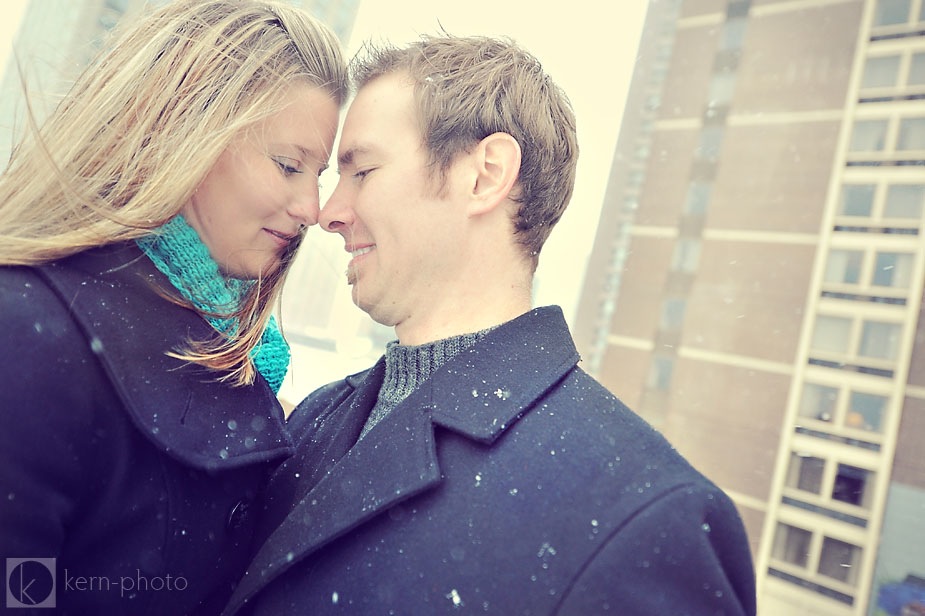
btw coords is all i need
(264, 187)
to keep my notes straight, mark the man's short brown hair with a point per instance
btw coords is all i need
(467, 88)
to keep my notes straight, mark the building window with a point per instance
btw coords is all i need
(868, 136)
(806, 472)
(904, 201)
(839, 560)
(865, 411)
(108, 19)
(852, 485)
(698, 198)
(733, 33)
(893, 269)
(818, 402)
(686, 255)
(660, 373)
(857, 200)
(737, 9)
(722, 86)
(911, 134)
(917, 67)
(711, 138)
(672, 314)
(844, 266)
(891, 12)
(879, 340)
(851, 337)
(831, 334)
(791, 544)
(881, 72)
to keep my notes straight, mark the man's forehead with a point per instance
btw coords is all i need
(376, 105)
(394, 89)
(382, 114)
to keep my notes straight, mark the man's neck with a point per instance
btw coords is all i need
(425, 328)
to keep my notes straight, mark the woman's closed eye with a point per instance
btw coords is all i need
(288, 166)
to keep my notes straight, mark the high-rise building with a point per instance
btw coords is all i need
(756, 284)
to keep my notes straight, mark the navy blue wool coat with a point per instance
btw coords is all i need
(511, 482)
(133, 470)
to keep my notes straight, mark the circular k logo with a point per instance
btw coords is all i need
(30, 582)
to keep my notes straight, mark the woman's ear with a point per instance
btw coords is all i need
(497, 167)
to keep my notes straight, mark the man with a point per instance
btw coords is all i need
(476, 466)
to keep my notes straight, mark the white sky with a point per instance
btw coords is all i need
(11, 12)
(587, 47)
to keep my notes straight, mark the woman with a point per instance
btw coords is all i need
(145, 231)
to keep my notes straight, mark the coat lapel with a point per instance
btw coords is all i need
(112, 292)
(395, 461)
(479, 394)
(324, 432)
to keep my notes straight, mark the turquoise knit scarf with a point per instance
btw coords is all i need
(176, 250)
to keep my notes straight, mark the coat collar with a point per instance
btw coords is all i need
(486, 389)
(113, 293)
(479, 394)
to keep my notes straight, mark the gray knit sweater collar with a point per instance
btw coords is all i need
(407, 367)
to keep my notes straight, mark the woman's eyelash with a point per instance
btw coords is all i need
(286, 167)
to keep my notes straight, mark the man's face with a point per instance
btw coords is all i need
(403, 230)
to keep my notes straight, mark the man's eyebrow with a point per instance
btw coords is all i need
(348, 157)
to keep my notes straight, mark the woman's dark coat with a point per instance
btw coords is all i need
(135, 471)
(510, 482)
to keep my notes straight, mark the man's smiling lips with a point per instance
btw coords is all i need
(358, 251)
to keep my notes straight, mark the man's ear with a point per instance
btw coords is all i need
(497, 167)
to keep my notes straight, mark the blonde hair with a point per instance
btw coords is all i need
(467, 88)
(142, 126)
